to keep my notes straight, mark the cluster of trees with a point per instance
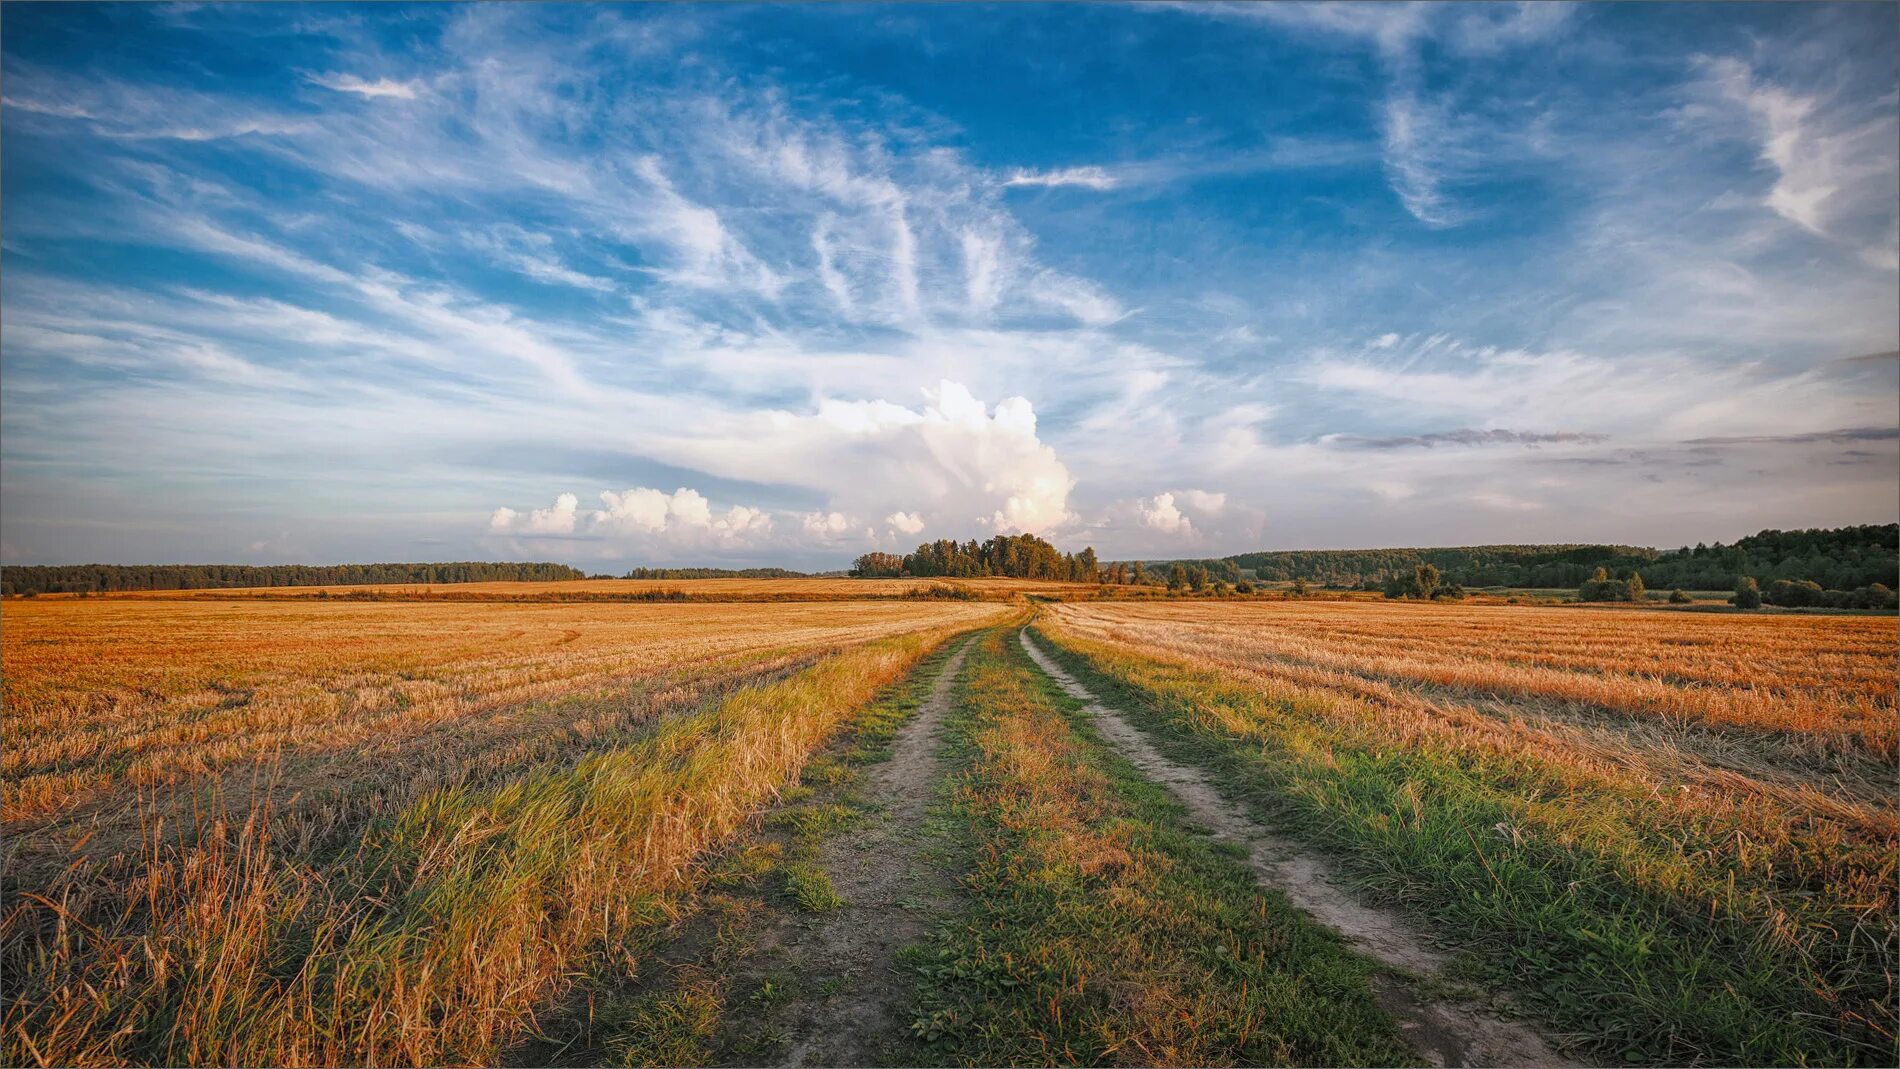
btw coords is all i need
(1800, 593)
(1424, 582)
(1604, 587)
(1842, 558)
(1022, 556)
(104, 578)
(712, 573)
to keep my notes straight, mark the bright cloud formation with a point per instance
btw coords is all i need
(415, 264)
(638, 517)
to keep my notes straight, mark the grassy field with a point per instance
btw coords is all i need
(331, 831)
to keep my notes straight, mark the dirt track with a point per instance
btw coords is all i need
(891, 895)
(1450, 1034)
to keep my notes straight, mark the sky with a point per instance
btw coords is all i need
(739, 285)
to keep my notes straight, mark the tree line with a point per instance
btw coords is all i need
(1842, 558)
(712, 573)
(106, 578)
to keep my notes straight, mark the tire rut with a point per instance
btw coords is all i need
(1449, 1034)
(891, 897)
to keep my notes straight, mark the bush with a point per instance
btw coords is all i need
(1678, 597)
(1747, 593)
(1795, 593)
(1600, 587)
(1422, 584)
(1243, 587)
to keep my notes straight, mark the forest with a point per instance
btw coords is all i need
(712, 573)
(1842, 558)
(104, 578)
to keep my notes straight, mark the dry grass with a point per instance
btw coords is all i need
(101, 694)
(1717, 791)
(1829, 680)
(370, 833)
(793, 589)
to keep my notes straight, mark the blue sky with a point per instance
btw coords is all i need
(776, 285)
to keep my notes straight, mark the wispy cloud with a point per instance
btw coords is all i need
(1463, 436)
(1086, 177)
(365, 87)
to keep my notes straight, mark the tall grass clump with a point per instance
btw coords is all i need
(437, 935)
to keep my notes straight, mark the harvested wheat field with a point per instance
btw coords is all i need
(799, 588)
(1674, 828)
(298, 832)
(943, 831)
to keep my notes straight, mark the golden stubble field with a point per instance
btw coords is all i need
(1799, 708)
(321, 830)
(1721, 788)
(293, 832)
(802, 588)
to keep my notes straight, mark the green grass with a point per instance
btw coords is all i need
(1615, 917)
(1100, 929)
(809, 885)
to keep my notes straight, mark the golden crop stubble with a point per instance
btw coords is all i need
(104, 693)
(1829, 681)
(429, 939)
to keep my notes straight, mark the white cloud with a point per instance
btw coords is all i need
(1080, 298)
(1204, 501)
(905, 522)
(1427, 142)
(1160, 513)
(641, 517)
(557, 519)
(1835, 170)
(1086, 177)
(381, 87)
(828, 526)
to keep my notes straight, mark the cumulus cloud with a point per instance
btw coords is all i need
(642, 516)
(828, 526)
(1160, 513)
(557, 519)
(976, 463)
(905, 522)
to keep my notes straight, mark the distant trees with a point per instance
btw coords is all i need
(1679, 597)
(1197, 579)
(1425, 583)
(1747, 593)
(1844, 558)
(1603, 587)
(1177, 576)
(1022, 556)
(1299, 588)
(710, 573)
(877, 566)
(98, 578)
